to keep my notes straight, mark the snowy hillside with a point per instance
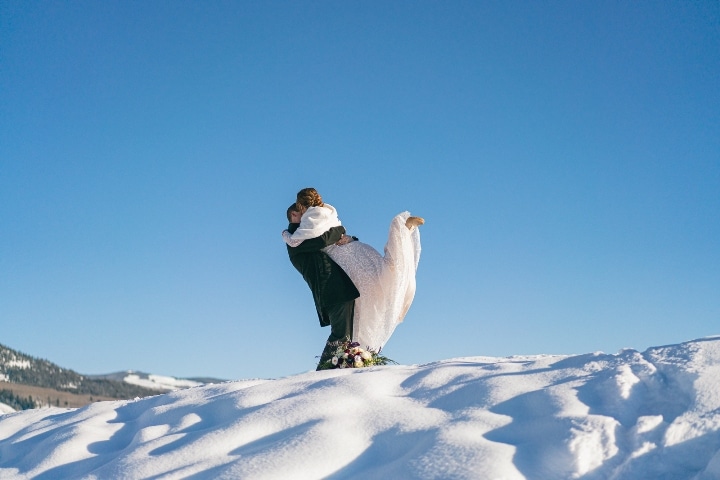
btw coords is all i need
(631, 415)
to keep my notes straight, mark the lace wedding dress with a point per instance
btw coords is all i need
(386, 282)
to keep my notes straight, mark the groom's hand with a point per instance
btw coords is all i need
(343, 240)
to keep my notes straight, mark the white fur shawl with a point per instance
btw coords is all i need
(314, 222)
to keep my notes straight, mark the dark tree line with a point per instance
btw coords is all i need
(15, 401)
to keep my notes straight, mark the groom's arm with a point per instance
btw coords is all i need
(314, 244)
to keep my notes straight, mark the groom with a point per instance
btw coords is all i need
(332, 290)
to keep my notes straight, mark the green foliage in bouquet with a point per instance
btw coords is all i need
(349, 355)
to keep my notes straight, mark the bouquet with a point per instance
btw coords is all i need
(349, 355)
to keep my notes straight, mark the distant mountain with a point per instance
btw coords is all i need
(156, 382)
(29, 382)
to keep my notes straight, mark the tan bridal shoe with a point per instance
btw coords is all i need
(414, 222)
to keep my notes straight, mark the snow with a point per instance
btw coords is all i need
(630, 415)
(22, 364)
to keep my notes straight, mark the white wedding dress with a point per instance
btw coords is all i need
(386, 283)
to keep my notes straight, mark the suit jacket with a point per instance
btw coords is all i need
(328, 282)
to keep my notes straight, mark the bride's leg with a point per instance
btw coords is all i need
(401, 239)
(402, 255)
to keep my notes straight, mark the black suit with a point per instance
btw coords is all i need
(333, 291)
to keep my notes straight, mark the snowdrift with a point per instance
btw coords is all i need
(630, 415)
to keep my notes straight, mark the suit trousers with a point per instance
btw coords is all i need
(341, 327)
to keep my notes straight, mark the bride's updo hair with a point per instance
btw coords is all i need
(309, 197)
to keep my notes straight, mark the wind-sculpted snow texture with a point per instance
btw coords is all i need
(651, 415)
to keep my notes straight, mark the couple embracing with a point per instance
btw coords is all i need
(359, 293)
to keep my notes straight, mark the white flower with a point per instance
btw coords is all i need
(334, 360)
(366, 355)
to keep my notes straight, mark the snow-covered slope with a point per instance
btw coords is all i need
(595, 416)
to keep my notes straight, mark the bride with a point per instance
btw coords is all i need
(386, 283)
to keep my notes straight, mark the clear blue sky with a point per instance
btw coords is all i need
(565, 154)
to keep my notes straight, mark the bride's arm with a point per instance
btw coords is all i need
(293, 242)
(328, 238)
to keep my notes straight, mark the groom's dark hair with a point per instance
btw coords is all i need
(292, 208)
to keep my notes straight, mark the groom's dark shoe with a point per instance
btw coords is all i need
(414, 222)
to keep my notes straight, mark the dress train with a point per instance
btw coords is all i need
(386, 283)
